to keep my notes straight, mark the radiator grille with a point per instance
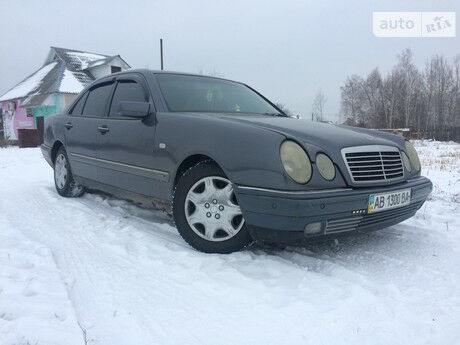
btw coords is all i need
(374, 163)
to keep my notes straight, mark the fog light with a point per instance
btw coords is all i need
(312, 228)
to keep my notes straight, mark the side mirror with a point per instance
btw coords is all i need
(133, 109)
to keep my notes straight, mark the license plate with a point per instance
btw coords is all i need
(386, 201)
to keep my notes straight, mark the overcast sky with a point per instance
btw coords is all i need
(287, 50)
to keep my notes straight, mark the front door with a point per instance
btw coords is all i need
(127, 144)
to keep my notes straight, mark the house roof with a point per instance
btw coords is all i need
(65, 70)
(31, 83)
(106, 60)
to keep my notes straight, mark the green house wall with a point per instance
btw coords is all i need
(46, 110)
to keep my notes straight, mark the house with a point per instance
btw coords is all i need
(52, 88)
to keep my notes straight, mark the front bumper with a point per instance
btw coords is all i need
(339, 210)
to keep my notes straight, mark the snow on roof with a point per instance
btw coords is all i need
(99, 62)
(30, 84)
(65, 71)
(83, 59)
(69, 83)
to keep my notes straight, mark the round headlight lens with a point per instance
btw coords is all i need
(295, 161)
(413, 156)
(406, 162)
(325, 166)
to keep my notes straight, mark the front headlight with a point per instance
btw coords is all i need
(325, 166)
(406, 162)
(295, 161)
(413, 156)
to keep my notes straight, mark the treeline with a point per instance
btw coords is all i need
(427, 101)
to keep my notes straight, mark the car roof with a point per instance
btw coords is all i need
(148, 71)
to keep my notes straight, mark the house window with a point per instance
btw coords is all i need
(115, 69)
(29, 112)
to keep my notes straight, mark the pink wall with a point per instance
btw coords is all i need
(15, 118)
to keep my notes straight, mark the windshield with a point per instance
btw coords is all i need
(184, 93)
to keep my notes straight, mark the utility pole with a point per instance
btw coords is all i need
(161, 52)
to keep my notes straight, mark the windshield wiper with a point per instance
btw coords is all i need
(276, 114)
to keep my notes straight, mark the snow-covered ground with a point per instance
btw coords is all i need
(98, 270)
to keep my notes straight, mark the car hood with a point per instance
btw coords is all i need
(319, 134)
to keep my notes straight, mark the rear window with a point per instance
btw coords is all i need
(97, 99)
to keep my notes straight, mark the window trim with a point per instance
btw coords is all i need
(132, 76)
(137, 78)
(74, 104)
(109, 99)
(119, 81)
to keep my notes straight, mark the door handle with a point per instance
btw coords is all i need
(103, 129)
(68, 125)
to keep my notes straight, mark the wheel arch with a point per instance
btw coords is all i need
(191, 161)
(57, 144)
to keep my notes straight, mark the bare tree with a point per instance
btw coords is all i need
(411, 84)
(213, 73)
(428, 100)
(455, 111)
(373, 89)
(318, 105)
(283, 108)
(439, 82)
(353, 99)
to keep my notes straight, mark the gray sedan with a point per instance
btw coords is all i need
(229, 165)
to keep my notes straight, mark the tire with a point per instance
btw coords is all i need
(206, 212)
(63, 179)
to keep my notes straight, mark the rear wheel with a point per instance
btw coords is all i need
(206, 212)
(63, 179)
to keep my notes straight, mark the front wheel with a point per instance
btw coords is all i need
(206, 212)
(63, 179)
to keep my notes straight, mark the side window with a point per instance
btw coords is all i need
(97, 99)
(77, 108)
(126, 91)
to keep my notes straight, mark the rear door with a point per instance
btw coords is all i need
(82, 134)
(127, 147)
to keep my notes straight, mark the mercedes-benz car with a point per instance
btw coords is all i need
(228, 164)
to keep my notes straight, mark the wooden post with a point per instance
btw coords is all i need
(161, 52)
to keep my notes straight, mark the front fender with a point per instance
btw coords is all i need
(246, 154)
(249, 155)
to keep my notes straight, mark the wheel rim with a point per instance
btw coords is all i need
(60, 171)
(212, 210)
